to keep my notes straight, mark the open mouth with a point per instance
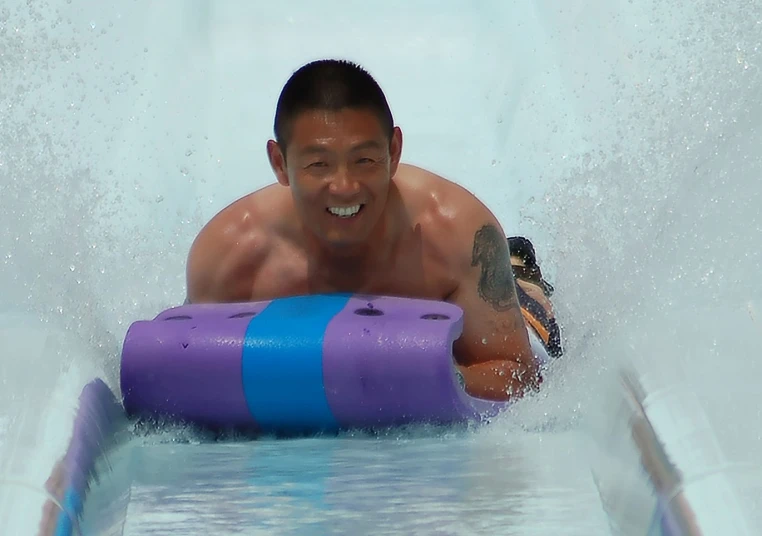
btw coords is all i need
(345, 212)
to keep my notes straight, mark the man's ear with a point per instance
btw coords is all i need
(395, 150)
(277, 162)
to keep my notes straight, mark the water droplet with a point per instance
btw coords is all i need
(484, 341)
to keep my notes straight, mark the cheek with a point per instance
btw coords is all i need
(381, 189)
(302, 189)
(307, 201)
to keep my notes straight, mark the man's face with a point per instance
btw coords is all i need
(339, 166)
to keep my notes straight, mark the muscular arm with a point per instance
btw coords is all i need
(223, 262)
(494, 353)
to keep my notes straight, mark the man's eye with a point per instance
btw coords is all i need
(364, 161)
(316, 164)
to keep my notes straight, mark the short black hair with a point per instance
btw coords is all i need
(329, 85)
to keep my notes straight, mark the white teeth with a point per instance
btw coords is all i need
(345, 212)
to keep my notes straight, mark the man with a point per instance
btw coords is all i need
(346, 216)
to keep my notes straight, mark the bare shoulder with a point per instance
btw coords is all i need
(450, 215)
(234, 242)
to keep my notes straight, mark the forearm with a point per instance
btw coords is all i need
(500, 380)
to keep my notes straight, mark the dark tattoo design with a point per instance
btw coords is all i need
(496, 281)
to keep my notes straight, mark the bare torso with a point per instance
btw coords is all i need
(263, 230)
(438, 242)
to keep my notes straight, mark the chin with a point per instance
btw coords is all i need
(344, 238)
(343, 242)
(339, 242)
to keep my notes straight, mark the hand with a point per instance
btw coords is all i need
(498, 380)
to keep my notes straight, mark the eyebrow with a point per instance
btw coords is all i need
(370, 144)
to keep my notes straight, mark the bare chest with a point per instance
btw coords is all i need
(410, 274)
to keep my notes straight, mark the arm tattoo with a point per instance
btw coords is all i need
(496, 280)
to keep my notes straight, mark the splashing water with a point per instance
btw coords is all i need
(621, 137)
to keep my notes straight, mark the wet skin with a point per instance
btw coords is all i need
(415, 234)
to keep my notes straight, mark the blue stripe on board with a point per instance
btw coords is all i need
(283, 363)
(72, 505)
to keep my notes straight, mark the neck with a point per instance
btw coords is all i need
(353, 257)
(351, 266)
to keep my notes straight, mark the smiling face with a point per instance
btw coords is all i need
(339, 165)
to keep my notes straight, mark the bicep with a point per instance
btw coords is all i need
(199, 272)
(494, 327)
(223, 267)
(213, 270)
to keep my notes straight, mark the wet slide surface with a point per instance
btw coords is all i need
(406, 483)
(622, 137)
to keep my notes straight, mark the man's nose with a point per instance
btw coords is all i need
(342, 183)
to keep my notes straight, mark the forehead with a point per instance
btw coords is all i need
(328, 127)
